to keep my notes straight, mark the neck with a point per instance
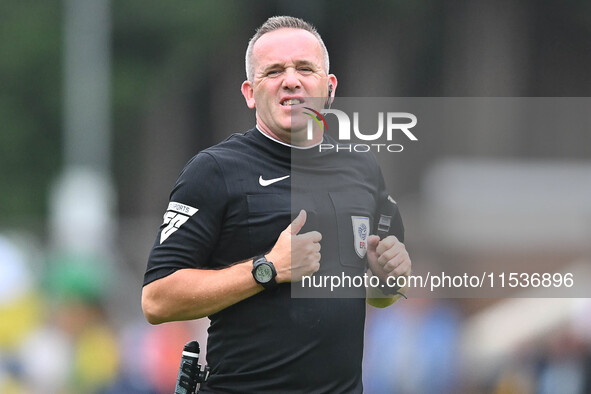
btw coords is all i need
(288, 137)
(280, 141)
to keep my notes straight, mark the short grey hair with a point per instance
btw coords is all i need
(276, 23)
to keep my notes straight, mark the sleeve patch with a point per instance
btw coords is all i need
(176, 215)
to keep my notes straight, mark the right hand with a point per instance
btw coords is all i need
(295, 255)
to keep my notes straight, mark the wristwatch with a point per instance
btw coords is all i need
(264, 272)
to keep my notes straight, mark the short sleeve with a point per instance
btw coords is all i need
(192, 220)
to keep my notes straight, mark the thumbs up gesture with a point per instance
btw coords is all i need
(295, 255)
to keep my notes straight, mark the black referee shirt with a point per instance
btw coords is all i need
(229, 204)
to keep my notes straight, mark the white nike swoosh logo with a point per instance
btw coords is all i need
(267, 182)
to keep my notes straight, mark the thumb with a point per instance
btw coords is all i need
(298, 223)
(372, 244)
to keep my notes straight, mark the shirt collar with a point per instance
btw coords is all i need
(285, 143)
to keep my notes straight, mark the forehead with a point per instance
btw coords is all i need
(287, 46)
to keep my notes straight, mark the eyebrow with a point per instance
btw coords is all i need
(297, 63)
(306, 63)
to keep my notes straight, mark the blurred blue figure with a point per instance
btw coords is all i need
(564, 365)
(421, 358)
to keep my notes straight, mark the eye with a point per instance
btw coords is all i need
(272, 73)
(305, 69)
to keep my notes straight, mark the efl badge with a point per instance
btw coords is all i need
(360, 234)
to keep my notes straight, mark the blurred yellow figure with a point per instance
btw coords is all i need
(17, 318)
(20, 305)
(96, 359)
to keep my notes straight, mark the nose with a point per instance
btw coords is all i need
(291, 80)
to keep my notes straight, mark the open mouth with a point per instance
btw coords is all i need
(290, 102)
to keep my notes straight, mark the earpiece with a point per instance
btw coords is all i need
(329, 99)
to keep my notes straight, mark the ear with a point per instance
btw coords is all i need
(248, 93)
(332, 80)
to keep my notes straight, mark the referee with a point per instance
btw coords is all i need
(229, 248)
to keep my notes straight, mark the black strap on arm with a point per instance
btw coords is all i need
(389, 222)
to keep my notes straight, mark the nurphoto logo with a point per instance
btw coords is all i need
(396, 124)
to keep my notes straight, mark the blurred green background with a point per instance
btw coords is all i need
(173, 72)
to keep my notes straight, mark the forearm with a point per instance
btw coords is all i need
(194, 293)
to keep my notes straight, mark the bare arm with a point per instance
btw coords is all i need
(194, 293)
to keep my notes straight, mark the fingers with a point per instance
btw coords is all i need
(392, 256)
(398, 263)
(372, 243)
(296, 254)
(305, 255)
(316, 266)
(297, 223)
(312, 236)
(390, 253)
(305, 247)
(315, 247)
(403, 269)
(386, 244)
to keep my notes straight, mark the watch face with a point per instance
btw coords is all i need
(264, 273)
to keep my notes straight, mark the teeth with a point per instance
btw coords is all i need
(291, 102)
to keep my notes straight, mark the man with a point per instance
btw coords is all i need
(229, 249)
